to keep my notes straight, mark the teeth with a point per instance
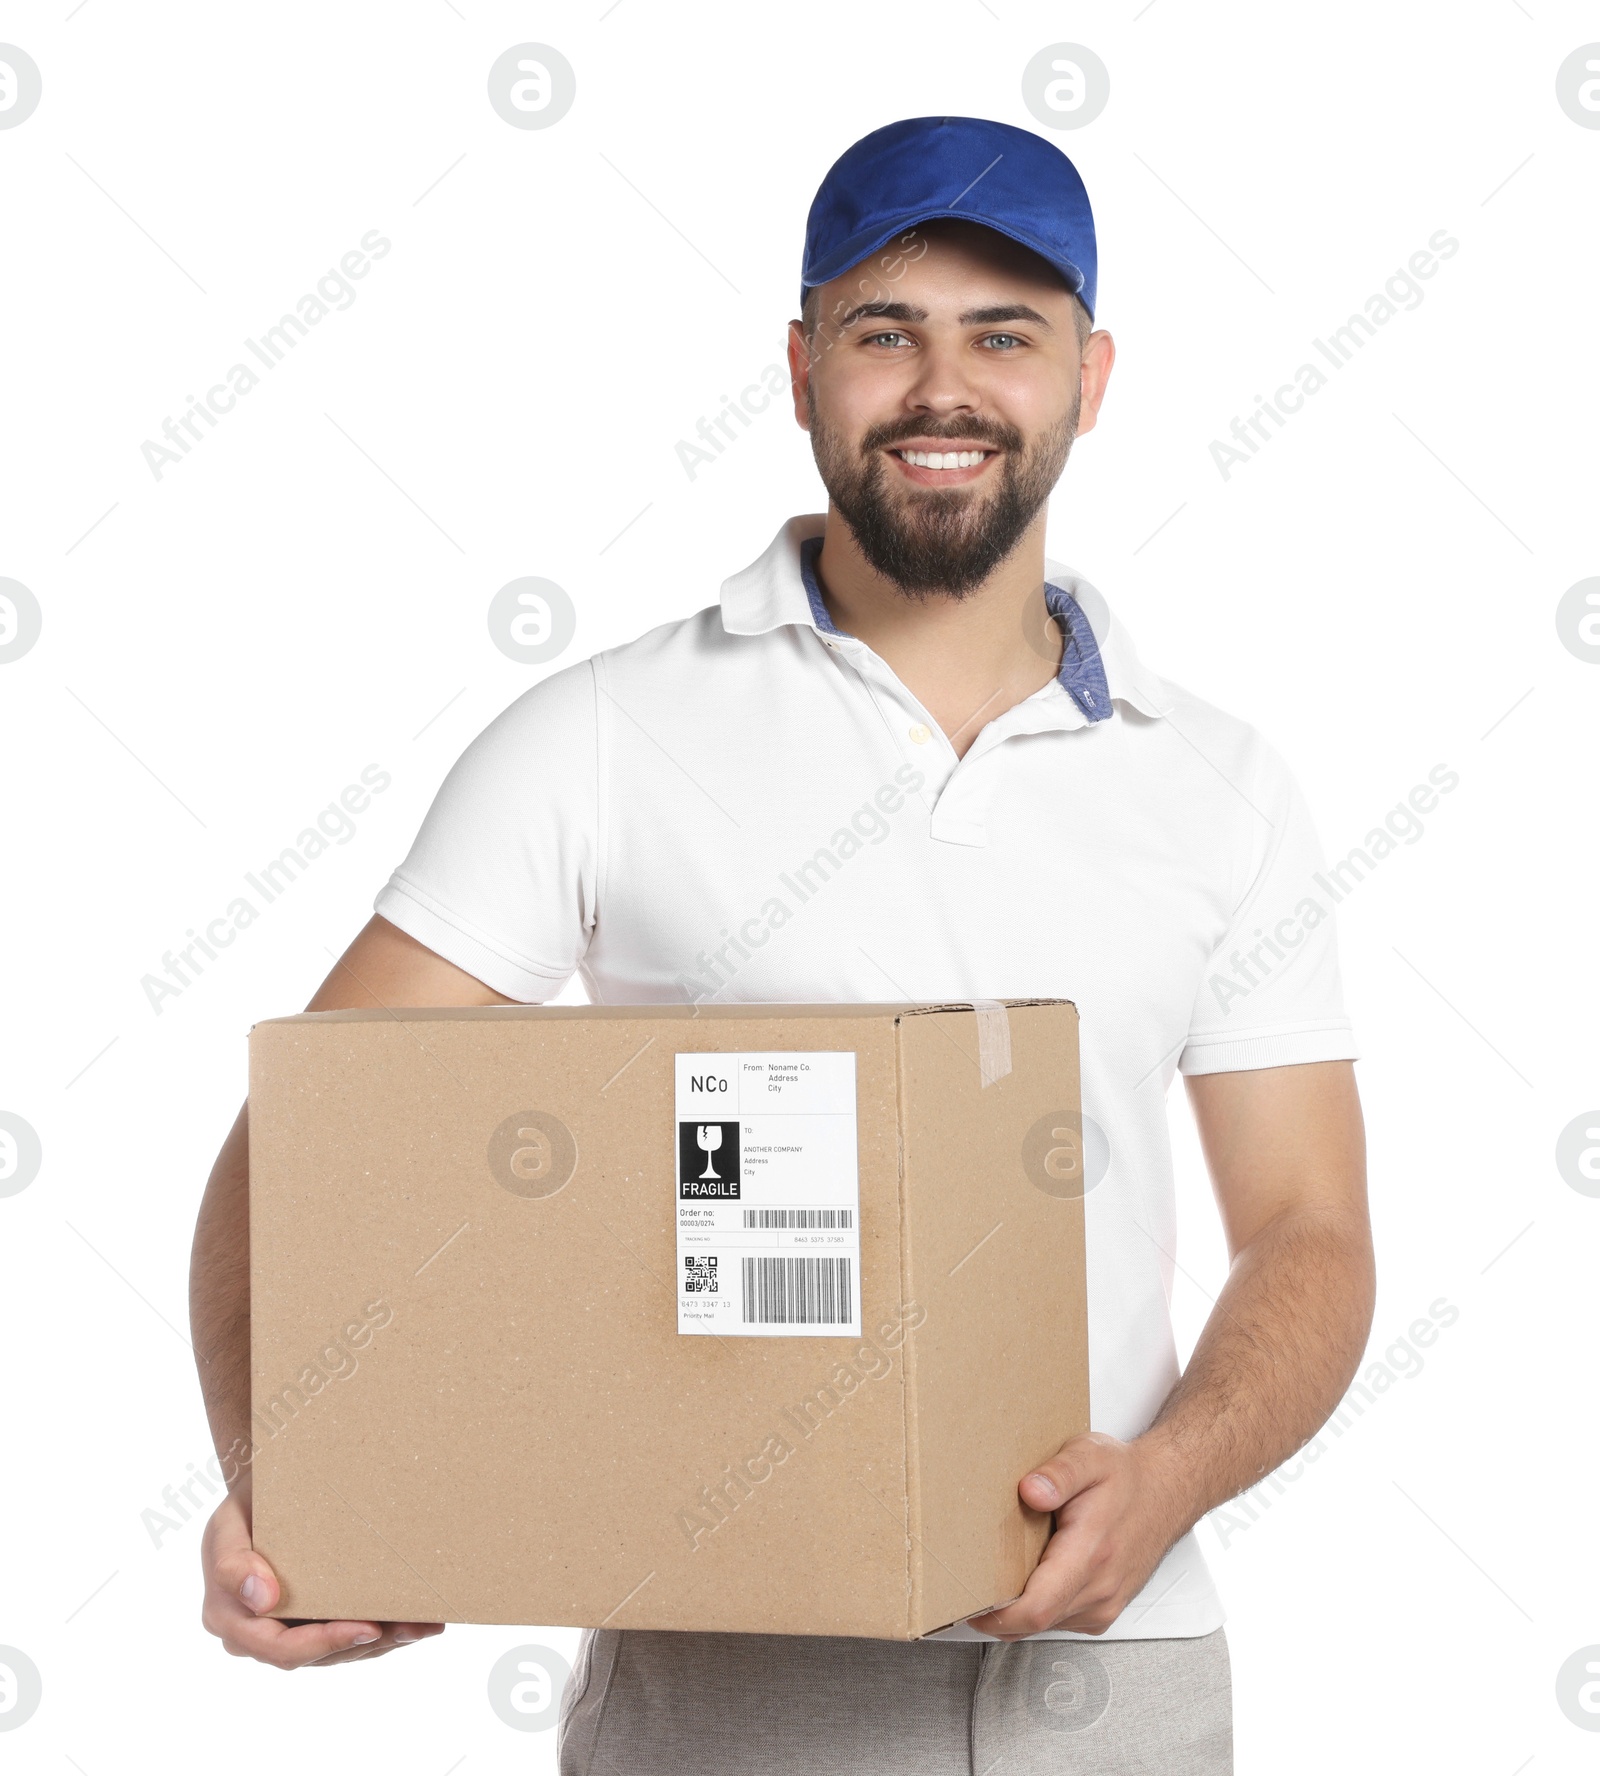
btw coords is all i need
(947, 459)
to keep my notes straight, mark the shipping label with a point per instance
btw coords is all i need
(768, 1209)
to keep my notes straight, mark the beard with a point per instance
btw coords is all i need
(931, 541)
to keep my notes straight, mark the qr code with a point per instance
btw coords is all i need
(700, 1275)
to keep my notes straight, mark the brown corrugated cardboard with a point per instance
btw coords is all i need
(472, 1399)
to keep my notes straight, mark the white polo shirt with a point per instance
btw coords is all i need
(747, 805)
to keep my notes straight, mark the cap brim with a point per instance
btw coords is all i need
(862, 245)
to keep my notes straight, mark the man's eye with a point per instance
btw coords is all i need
(1002, 339)
(884, 338)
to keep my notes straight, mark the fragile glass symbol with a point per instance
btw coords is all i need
(708, 1137)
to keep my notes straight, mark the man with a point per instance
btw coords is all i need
(1058, 821)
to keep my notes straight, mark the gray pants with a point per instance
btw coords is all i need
(653, 1704)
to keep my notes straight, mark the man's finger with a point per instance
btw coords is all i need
(1077, 1464)
(293, 1645)
(315, 1643)
(1045, 1599)
(244, 1574)
(395, 1635)
(260, 1637)
(232, 1564)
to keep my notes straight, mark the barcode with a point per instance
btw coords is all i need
(797, 1291)
(800, 1218)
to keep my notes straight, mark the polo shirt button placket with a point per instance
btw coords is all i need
(923, 752)
(928, 757)
(957, 809)
(929, 752)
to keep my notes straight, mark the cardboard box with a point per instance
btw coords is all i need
(742, 1318)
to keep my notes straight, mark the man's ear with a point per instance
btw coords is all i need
(1099, 354)
(799, 373)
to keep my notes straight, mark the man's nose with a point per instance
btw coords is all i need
(944, 383)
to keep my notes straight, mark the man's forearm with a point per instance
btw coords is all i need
(1273, 1360)
(219, 1300)
(1285, 1149)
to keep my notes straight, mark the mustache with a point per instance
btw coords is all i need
(881, 437)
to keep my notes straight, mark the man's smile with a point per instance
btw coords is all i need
(936, 462)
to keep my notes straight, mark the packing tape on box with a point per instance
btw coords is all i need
(994, 1040)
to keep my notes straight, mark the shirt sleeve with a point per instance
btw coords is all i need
(502, 877)
(1270, 994)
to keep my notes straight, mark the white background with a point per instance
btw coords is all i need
(225, 648)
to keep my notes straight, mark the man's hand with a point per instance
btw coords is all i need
(1117, 1512)
(240, 1585)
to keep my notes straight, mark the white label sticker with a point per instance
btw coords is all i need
(769, 1214)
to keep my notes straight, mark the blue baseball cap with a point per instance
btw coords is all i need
(1005, 178)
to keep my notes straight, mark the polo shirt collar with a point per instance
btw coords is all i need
(1099, 665)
